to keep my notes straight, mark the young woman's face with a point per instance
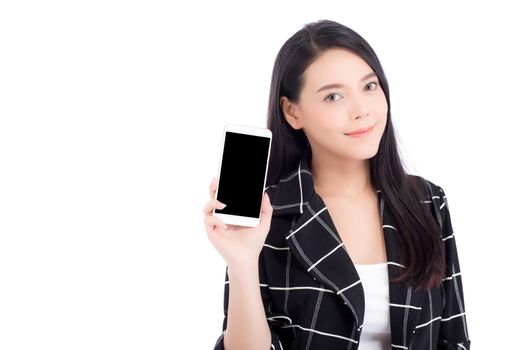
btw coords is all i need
(326, 114)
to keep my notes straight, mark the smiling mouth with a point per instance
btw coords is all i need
(362, 132)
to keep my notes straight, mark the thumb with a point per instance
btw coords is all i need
(266, 209)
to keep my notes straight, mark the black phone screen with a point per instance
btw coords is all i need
(242, 174)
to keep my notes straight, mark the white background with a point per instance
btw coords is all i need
(111, 115)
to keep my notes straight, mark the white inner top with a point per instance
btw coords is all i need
(375, 334)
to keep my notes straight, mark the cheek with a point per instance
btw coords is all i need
(320, 119)
(381, 110)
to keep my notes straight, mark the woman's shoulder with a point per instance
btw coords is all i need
(432, 186)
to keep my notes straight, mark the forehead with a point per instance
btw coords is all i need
(336, 65)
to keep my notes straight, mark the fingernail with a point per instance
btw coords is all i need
(222, 205)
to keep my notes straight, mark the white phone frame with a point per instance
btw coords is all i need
(247, 130)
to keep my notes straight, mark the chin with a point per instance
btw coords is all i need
(362, 152)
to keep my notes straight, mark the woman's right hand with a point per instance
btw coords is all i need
(238, 245)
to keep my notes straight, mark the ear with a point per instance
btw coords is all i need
(291, 113)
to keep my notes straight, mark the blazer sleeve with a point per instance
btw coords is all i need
(276, 342)
(274, 319)
(453, 333)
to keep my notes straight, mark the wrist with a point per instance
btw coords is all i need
(243, 269)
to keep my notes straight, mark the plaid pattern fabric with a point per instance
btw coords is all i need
(312, 292)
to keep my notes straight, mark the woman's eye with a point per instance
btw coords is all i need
(373, 82)
(332, 94)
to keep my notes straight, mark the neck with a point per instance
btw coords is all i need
(334, 177)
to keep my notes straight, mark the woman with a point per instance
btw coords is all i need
(342, 223)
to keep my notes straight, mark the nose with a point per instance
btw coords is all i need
(358, 109)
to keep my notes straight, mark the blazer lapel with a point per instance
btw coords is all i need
(315, 242)
(405, 303)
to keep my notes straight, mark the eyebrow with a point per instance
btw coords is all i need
(338, 85)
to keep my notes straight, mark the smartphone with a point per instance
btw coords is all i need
(242, 171)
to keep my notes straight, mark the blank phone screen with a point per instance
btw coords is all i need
(242, 174)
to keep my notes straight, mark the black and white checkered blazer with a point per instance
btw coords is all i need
(313, 295)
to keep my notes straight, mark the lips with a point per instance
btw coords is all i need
(360, 131)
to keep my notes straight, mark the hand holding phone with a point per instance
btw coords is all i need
(239, 246)
(248, 211)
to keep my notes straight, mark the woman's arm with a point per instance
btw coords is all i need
(247, 327)
(251, 299)
(248, 320)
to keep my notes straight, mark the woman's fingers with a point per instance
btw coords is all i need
(212, 204)
(267, 210)
(213, 187)
(213, 222)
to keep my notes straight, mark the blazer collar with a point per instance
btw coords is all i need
(315, 242)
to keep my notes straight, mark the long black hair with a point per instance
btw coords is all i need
(421, 249)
